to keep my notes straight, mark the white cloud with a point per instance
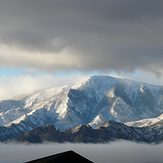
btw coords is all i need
(18, 57)
(11, 86)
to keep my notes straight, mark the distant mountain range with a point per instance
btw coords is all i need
(111, 131)
(99, 109)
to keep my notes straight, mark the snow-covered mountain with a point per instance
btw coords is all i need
(98, 122)
(109, 131)
(147, 122)
(93, 101)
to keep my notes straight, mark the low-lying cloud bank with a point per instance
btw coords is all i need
(116, 152)
(85, 35)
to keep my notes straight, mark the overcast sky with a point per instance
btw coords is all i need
(87, 36)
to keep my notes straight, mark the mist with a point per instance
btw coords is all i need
(115, 152)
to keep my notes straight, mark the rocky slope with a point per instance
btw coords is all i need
(110, 131)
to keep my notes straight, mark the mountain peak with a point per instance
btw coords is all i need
(94, 101)
(97, 122)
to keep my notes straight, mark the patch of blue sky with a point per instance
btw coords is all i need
(11, 71)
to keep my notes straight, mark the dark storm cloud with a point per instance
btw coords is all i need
(100, 35)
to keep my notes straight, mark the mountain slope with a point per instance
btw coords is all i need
(147, 122)
(102, 97)
(109, 132)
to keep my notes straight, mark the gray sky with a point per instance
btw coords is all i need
(120, 35)
(41, 38)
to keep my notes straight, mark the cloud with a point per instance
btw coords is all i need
(11, 56)
(84, 35)
(117, 151)
(11, 86)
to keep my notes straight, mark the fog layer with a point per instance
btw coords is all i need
(116, 152)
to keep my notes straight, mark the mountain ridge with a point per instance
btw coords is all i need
(66, 107)
(111, 131)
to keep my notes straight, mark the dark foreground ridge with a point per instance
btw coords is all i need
(65, 157)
